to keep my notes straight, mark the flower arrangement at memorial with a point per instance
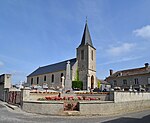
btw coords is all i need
(44, 92)
(52, 98)
(91, 92)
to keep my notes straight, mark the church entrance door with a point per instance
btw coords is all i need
(92, 82)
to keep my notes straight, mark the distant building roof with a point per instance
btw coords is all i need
(103, 81)
(131, 72)
(52, 68)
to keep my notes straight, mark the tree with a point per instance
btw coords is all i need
(99, 84)
(77, 75)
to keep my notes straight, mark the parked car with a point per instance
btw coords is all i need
(96, 90)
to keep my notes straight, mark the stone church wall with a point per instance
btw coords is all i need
(82, 65)
(92, 62)
(57, 79)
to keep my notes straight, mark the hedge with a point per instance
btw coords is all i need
(77, 84)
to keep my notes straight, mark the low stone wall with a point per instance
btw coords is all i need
(85, 107)
(35, 96)
(103, 97)
(27, 95)
(131, 96)
(122, 102)
(109, 108)
(44, 107)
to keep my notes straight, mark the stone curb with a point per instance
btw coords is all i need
(13, 107)
(10, 106)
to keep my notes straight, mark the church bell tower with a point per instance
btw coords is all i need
(86, 57)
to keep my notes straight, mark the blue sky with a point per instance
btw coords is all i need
(34, 33)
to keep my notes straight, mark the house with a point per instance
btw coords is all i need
(135, 78)
(85, 63)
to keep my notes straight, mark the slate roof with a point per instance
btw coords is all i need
(131, 72)
(86, 38)
(52, 68)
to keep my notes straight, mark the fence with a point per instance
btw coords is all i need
(14, 97)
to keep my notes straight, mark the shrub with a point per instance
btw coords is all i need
(99, 84)
(77, 84)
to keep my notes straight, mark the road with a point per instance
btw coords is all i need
(8, 115)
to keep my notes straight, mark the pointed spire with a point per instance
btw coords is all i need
(86, 38)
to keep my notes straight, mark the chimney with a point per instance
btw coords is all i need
(111, 72)
(146, 65)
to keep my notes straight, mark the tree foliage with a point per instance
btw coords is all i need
(77, 75)
(99, 84)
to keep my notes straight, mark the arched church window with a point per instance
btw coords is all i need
(37, 80)
(31, 81)
(52, 78)
(61, 76)
(82, 54)
(44, 78)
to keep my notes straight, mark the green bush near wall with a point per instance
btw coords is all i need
(77, 84)
(99, 84)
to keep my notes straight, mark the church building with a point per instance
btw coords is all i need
(85, 63)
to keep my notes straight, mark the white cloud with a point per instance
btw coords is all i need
(121, 60)
(121, 50)
(18, 76)
(1, 63)
(143, 32)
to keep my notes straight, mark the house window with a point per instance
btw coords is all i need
(44, 78)
(52, 78)
(37, 80)
(82, 54)
(31, 81)
(124, 82)
(92, 54)
(149, 81)
(61, 76)
(136, 82)
(115, 83)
